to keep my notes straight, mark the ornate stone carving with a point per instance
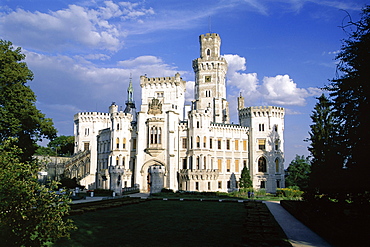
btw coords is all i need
(155, 107)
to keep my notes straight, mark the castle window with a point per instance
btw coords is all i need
(155, 135)
(219, 164)
(198, 163)
(276, 145)
(86, 146)
(160, 94)
(210, 143)
(191, 142)
(236, 145)
(124, 143)
(209, 185)
(117, 143)
(236, 165)
(207, 78)
(219, 184)
(134, 143)
(219, 143)
(277, 183)
(277, 165)
(198, 124)
(208, 52)
(261, 144)
(276, 128)
(205, 163)
(261, 127)
(123, 162)
(198, 142)
(117, 126)
(262, 167)
(184, 142)
(196, 185)
(245, 145)
(228, 144)
(227, 165)
(184, 163)
(204, 142)
(263, 184)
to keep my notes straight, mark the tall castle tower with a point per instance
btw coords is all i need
(210, 79)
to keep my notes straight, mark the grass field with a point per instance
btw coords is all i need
(161, 223)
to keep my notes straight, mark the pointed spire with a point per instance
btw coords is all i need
(130, 91)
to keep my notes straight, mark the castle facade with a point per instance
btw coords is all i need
(166, 144)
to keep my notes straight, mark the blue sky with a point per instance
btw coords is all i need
(280, 52)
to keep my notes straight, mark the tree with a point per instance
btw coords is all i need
(19, 117)
(30, 213)
(298, 172)
(245, 179)
(350, 92)
(63, 145)
(324, 148)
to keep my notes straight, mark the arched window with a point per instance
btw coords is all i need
(198, 142)
(277, 165)
(117, 143)
(205, 163)
(208, 52)
(262, 167)
(198, 163)
(204, 142)
(117, 161)
(124, 143)
(123, 162)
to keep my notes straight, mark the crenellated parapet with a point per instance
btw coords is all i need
(262, 111)
(162, 81)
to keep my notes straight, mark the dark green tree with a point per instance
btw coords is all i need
(19, 117)
(63, 145)
(350, 93)
(324, 148)
(298, 172)
(30, 213)
(245, 179)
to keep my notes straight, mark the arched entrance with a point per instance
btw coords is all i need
(155, 178)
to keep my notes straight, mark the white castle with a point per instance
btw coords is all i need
(169, 145)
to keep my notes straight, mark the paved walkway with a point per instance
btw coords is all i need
(298, 234)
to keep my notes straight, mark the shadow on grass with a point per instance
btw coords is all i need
(162, 223)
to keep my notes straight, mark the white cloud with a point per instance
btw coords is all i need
(71, 28)
(278, 90)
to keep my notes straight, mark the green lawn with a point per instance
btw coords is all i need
(161, 223)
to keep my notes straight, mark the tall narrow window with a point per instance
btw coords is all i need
(205, 163)
(245, 145)
(184, 142)
(117, 143)
(276, 145)
(277, 165)
(198, 142)
(236, 165)
(204, 141)
(124, 143)
(208, 52)
(198, 163)
(228, 144)
(210, 143)
(262, 166)
(117, 161)
(219, 164)
(219, 143)
(134, 143)
(228, 165)
(236, 145)
(123, 162)
(261, 127)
